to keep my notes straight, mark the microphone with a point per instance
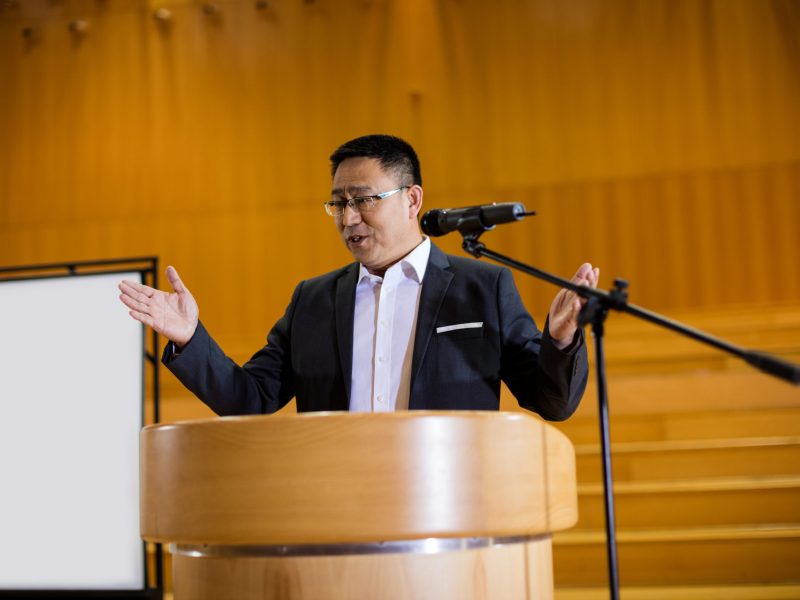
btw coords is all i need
(471, 219)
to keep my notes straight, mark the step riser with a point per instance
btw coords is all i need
(665, 393)
(694, 509)
(686, 426)
(694, 592)
(693, 464)
(682, 563)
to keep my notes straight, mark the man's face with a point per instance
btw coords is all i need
(380, 237)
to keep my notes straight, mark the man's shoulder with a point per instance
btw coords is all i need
(473, 264)
(464, 265)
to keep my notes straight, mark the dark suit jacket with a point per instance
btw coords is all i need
(309, 352)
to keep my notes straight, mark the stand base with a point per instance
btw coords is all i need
(518, 570)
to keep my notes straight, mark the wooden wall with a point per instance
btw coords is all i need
(659, 139)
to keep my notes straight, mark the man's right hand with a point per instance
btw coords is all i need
(172, 315)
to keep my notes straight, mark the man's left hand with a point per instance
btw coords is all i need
(566, 306)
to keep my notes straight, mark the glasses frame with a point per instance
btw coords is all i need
(336, 208)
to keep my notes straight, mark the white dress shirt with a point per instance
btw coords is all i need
(383, 333)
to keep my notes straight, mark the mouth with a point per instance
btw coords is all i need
(355, 240)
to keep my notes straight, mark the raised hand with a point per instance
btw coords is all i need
(172, 315)
(566, 306)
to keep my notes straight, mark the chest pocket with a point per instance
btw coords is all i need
(455, 332)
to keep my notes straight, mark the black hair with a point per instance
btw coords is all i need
(392, 153)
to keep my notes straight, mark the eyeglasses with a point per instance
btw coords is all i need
(335, 208)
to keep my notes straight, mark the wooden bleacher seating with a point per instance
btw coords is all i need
(706, 464)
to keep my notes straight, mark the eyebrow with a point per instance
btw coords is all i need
(358, 189)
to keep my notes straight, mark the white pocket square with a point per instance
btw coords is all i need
(475, 325)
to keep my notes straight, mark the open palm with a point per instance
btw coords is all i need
(173, 315)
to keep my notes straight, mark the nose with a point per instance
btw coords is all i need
(350, 216)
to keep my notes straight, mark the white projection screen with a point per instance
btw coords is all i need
(71, 406)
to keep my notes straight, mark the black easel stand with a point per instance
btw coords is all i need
(595, 311)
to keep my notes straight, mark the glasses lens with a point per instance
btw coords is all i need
(334, 208)
(364, 203)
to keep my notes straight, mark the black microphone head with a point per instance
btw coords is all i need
(470, 219)
(432, 223)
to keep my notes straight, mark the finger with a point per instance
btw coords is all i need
(141, 317)
(569, 299)
(564, 324)
(591, 278)
(134, 304)
(562, 297)
(175, 280)
(136, 291)
(568, 309)
(582, 273)
(137, 287)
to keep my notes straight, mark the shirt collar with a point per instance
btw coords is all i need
(413, 264)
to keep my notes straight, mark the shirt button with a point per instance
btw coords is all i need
(379, 398)
(383, 323)
(381, 359)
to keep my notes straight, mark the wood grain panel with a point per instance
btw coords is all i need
(659, 140)
(303, 480)
(520, 571)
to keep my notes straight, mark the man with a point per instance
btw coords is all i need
(405, 327)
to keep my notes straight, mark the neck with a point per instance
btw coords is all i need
(380, 271)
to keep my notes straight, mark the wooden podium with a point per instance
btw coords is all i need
(445, 505)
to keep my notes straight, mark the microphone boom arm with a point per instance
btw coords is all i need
(617, 299)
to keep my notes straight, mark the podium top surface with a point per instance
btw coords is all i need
(321, 478)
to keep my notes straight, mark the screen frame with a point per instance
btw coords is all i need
(147, 268)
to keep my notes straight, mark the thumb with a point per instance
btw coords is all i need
(175, 280)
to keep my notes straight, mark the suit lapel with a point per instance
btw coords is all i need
(434, 286)
(345, 309)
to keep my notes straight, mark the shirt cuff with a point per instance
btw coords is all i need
(173, 351)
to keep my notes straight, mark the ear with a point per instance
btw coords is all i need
(414, 201)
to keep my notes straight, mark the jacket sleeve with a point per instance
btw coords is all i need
(262, 385)
(542, 378)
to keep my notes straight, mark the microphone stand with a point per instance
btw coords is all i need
(594, 312)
